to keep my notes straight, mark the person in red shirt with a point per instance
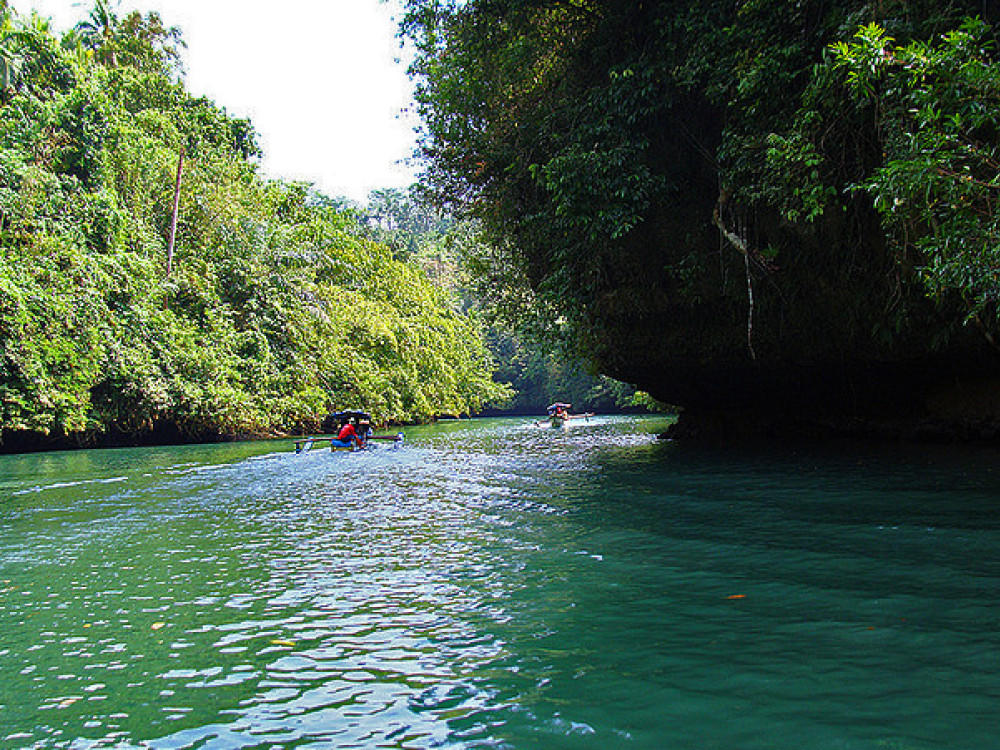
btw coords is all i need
(347, 437)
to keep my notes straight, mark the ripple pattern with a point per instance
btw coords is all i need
(499, 585)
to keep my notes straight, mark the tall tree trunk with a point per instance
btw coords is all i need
(173, 219)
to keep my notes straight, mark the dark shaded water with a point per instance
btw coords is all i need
(498, 585)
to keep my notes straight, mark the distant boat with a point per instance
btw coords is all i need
(559, 415)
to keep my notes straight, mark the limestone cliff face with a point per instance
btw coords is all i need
(833, 334)
(688, 194)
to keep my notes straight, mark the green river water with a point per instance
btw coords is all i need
(494, 584)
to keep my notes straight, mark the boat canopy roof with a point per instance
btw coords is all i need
(352, 414)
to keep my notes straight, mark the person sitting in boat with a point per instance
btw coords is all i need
(364, 430)
(347, 437)
(558, 413)
(559, 410)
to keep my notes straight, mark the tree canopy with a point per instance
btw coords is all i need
(448, 249)
(276, 309)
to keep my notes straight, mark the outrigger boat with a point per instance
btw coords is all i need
(363, 430)
(559, 415)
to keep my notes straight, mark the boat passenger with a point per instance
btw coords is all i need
(364, 431)
(347, 437)
(558, 413)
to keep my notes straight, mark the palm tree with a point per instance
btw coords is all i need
(26, 57)
(10, 64)
(97, 31)
(10, 52)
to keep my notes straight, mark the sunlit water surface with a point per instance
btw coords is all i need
(494, 584)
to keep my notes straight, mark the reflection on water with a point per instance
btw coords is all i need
(496, 584)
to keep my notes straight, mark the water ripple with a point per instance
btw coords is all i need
(496, 584)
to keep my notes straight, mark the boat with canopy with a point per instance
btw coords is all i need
(558, 415)
(362, 437)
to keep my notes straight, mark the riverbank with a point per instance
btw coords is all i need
(687, 426)
(735, 427)
(161, 434)
(12, 442)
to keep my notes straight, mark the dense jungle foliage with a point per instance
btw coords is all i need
(772, 206)
(270, 308)
(540, 371)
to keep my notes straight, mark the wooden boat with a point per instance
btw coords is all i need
(366, 438)
(559, 415)
(302, 445)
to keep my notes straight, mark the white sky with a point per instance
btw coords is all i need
(321, 80)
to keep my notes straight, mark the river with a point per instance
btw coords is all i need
(494, 584)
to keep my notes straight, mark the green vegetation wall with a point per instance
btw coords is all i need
(275, 310)
(539, 371)
(765, 205)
